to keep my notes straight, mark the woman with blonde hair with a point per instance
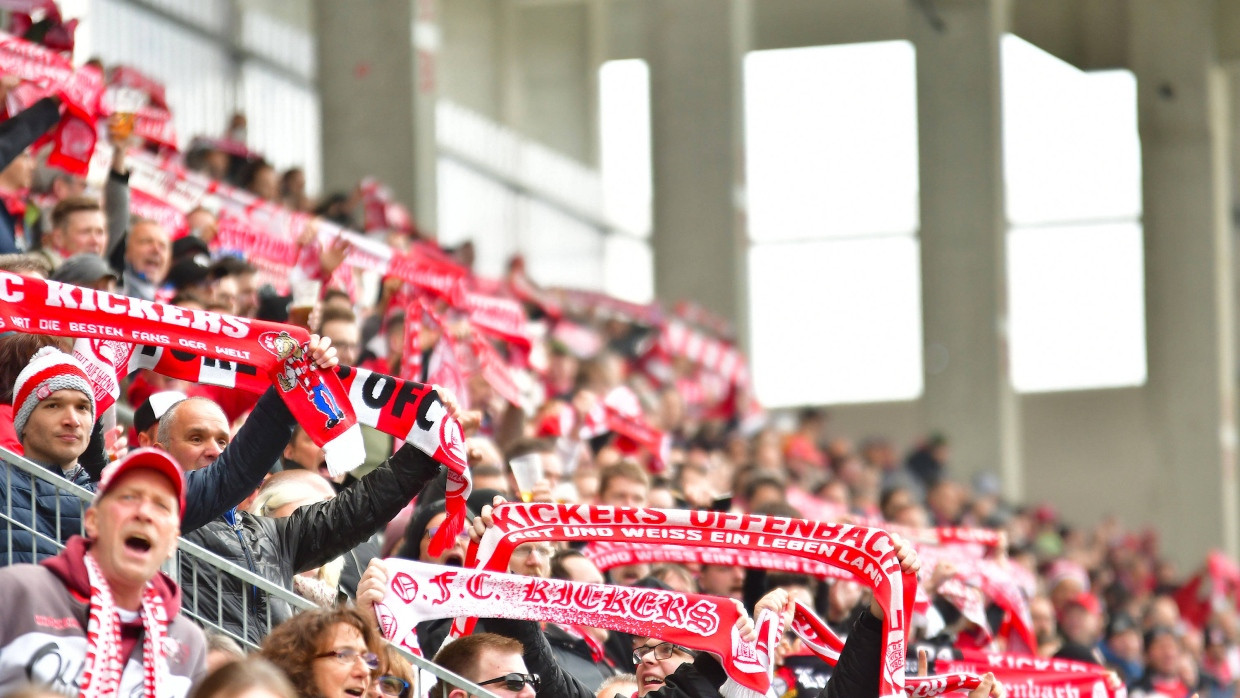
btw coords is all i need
(279, 496)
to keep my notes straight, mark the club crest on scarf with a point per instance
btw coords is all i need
(387, 620)
(405, 587)
(895, 656)
(297, 372)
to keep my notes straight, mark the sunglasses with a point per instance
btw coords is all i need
(393, 686)
(514, 681)
(348, 656)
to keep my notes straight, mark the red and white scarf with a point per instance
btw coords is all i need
(407, 410)
(104, 665)
(822, 641)
(419, 592)
(868, 554)
(607, 555)
(1006, 584)
(1032, 676)
(316, 398)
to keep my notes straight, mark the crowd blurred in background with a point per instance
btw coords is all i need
(595, 400)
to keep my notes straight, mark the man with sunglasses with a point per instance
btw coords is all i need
(492, 661)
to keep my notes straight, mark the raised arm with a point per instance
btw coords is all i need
(318, 533)
(25, 127)
(240, 468)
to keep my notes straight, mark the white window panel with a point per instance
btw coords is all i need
(196, 72)
(559, 250)
(279, 42)
(1072, 151)
(831, 141)
(282, 121)
(624, 143)
(477, 208)
(208, 14)
(836, 321)
(629, 268)
(1077, 307)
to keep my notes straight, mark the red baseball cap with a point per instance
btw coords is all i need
(151, 458)
(1087, 601)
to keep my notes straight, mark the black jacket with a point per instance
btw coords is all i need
(856, 672)
(688, 681)
(573, 655)
(279, 548)
(540, 659)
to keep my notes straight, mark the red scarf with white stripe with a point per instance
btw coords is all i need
(104, 665)
(608, 555)
(1023, 675)
(409, 411)
(316, 398)
(868, 554)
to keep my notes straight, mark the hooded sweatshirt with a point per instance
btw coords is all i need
(43, 629)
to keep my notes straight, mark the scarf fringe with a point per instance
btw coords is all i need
(732, 689)
(345, 452)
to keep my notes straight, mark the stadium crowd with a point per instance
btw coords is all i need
(589, 400)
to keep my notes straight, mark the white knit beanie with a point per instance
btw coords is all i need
(49, 370)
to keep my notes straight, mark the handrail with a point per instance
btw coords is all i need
(213, 564)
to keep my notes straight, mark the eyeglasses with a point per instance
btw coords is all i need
(663, 650)
(514, 681)
(524, 551)
(348, 656)
(393, 686)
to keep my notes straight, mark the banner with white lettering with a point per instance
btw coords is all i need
(314, 397)
(419, 592)
(868, 554)
(607, 555)
(1039, 677)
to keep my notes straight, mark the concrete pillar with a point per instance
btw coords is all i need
(696, 49)
(552, 54)
(378, 81)
(1182, 97)
(968, 391)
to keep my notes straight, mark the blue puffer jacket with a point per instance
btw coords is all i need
(15, 491)
(209, 492)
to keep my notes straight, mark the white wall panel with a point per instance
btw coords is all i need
(474, 207)
(196, 72)
(559, 250)
(283, 121)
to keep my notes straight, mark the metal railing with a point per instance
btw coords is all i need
(192, 562)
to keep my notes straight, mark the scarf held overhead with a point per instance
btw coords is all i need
(868, 554)
(314, 397)
(606, 556)
(419, 592)
(1037, 676)
(409, 411)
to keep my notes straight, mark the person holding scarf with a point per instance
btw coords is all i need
(666, 670)
(279, 548)
(100, 619)
(64, 443)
